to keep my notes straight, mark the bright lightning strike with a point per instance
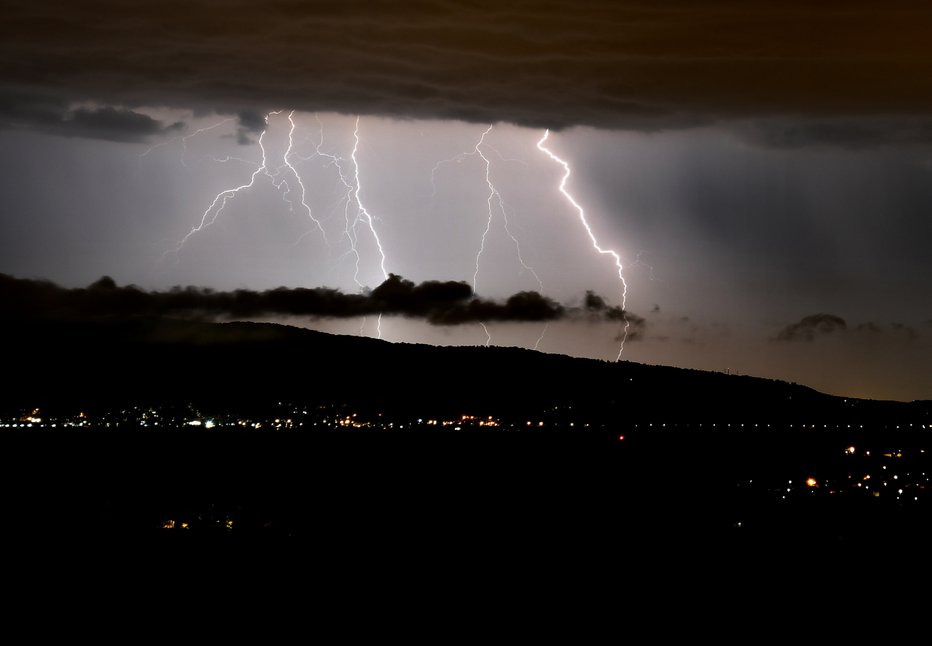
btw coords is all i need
(494, 197)
(220, 201)
(285, 176)
(298, 177)
(336, 162)
(362, 209)
(213, 211)
(542, 333)
(592, 238)
(494, 194)
(488, 336)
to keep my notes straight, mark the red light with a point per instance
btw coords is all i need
(621, 438)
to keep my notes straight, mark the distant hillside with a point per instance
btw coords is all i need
(669, 480)
(238, 365)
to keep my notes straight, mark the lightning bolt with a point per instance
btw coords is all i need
(494, 196)
(277, 178)
(294, 171)
(336, 162)
(595, 243)
(488, 337)
(213, 211)
(285, 176)
(184, 141)
(542, 333)
(353, 190)
(230, 158)
(493, 193)
(363, 211)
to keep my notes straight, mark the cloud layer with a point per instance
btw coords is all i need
(439, 303)
(596, 62)
(53, 115)
(811, 327)
(808, 328)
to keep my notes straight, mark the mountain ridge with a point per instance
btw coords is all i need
(161, 359)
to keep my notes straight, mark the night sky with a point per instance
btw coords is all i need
(763, 171)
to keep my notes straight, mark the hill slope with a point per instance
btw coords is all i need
(154, 361)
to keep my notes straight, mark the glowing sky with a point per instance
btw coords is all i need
(762, 173)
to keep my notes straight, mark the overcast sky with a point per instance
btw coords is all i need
(763, 174)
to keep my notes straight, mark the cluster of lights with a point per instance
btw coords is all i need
(786, 426)
(902, 486)
(224, 523)
(341, 417)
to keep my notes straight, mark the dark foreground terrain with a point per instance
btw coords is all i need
(345, 446)
(571, 491)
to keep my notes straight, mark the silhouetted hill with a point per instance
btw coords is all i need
(148, 361)
(697, 465)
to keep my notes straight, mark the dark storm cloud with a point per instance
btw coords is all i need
(597, 62)
(848, 132)
(439, 303)
(595, 309)
(249, 123)
(812, 326)
(594, 304)
(117, 124)
(54, 116)
(904, 330)
(896, 330)
(868, 328)
(523, 306)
